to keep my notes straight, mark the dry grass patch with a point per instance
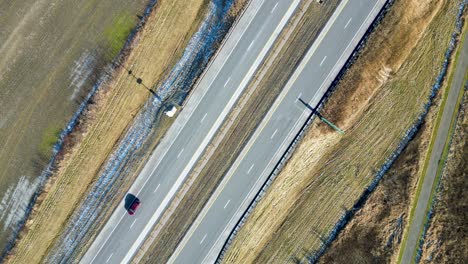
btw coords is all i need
(446, 237)
(375, 232)
(328, 172)
(157, 46)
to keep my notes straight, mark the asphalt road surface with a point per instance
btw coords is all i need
(216, 93)
(419, 218)
(320, 66)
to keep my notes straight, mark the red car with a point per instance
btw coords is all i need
(132, 208)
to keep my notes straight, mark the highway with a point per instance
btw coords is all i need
(442, 138)
(213, 98)
(323, 61)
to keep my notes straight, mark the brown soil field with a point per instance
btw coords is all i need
(376, 102)
(446, 241)
(238, 128)
(157, 46)
(51, 53)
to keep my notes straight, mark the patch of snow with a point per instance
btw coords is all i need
(15, 201)
(80, 73)
(171, 112)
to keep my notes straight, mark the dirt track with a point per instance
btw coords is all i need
(442, 138)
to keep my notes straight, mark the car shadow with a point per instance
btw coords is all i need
(129, 198)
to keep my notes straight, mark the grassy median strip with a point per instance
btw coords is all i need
(377, 101)
(255, 103)
(159, 44)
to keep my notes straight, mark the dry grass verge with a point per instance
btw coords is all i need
(377, 101)
(375, 232)
(158, 45)
(242, 123)
(446, 237)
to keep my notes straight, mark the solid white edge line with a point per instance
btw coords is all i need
(275, 105)
(203, 95)
(210, 134)
(305, 113)
(178, 131)
(265, 49)
(107, 239)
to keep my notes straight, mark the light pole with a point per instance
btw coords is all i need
(322, 118)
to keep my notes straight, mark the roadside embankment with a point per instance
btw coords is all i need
(445, 241)
(376, 231)
(377, 103)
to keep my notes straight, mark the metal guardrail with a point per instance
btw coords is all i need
(292, 146)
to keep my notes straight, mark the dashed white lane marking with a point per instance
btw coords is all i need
(297, 99)
(251, 167)
(347, 24)
(109, 257)
(253, 68)
(133, 223)
(324, 58)
(273, 10)
(274, 133)
(179, 181)
(203, 239)
(155, 190)
(251, 43)
(180, 153)
(227, 204)
(203, 118)
(227, 81)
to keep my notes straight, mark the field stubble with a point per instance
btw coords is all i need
(376, 102)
